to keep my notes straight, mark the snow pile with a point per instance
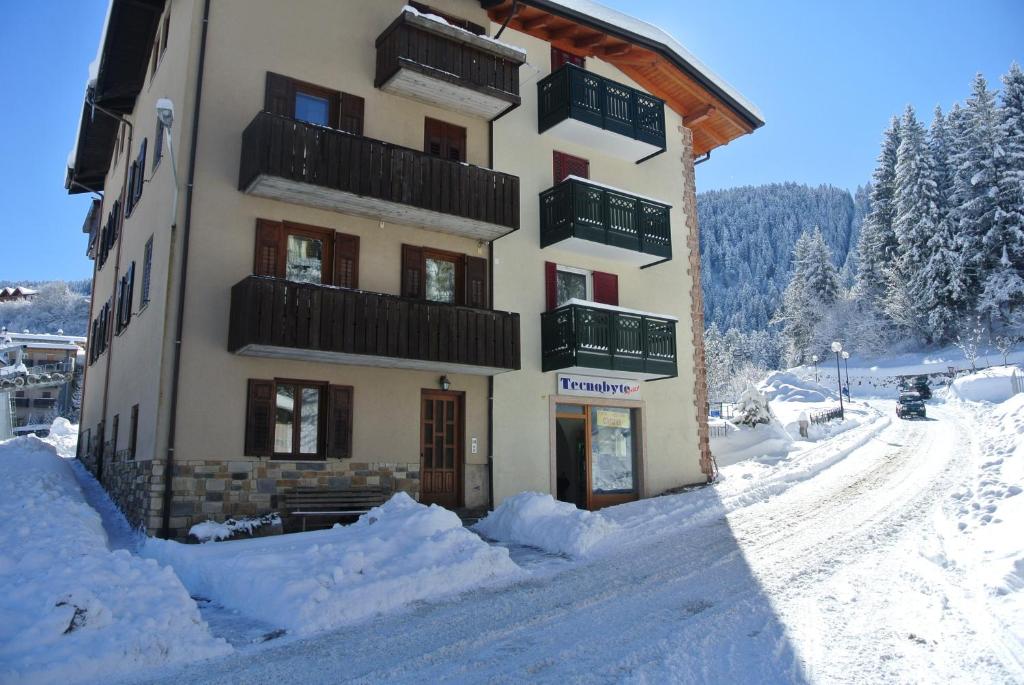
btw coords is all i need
(64, 437)
(742, 442)
(396, 554)
(989, 514)
(995, 384)
(72, 610)
(785, 386)
(539, 520)
(212, 531)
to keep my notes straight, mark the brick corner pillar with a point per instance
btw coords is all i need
(700, 389)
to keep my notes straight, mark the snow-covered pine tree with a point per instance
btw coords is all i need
(752, 408)
(939, 147)
(813, 288)
(877, 243)
(1008, 225)
(975, 184)
(909, 298)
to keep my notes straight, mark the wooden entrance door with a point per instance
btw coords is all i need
(441, 448)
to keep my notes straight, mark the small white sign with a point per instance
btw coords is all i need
(595, 386)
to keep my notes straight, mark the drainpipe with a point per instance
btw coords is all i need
(165, 531)
(490, 300)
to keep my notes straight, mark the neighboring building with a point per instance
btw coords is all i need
(17, 293)
(53, 374)
(400, 253)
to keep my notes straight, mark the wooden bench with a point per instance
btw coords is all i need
(305, 503)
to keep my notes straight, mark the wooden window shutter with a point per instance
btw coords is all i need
(346, 260)
(279, 96)
(561, 57)
(476, 282)
(551, 284)
(130, 295)
(140, 176)
(413, 272)
(269, 257)
(339, 422)
(445, 140)
(564, 165)
(606, 288)
(352, 109)
(456, 139)
(259, 419)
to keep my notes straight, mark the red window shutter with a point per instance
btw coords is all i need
(413, 272)
(551, 284)
(560, 57)
(259, 419)
(269, 256)
(606, 288)
(346, 260)
(352, 110)
(565, 165)
(476, 282)
(339, 422)
(279, 96)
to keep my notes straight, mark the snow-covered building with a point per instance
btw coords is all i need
(443, 249)
(43, 378)
(20, 292)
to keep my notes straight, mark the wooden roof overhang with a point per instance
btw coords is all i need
(123, 59)
(714, 116)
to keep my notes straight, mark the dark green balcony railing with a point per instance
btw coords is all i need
(577, 209)
(581, 336)
(575, 93)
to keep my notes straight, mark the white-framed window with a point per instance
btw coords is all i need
(572, 283)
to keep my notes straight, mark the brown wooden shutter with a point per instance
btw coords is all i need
(339, 422)
(352, 108)
(445, 140)
(346, 260)
(606, 288)
(269, 254)
(564, 165)
(413, 272)
(560, 57)
(259, 419)
(279, 96)
(476, 282)
(551, 284)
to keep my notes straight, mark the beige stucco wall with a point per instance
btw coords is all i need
(522, 459)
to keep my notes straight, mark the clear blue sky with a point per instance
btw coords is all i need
(826, 74)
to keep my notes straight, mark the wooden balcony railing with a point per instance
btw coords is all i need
(443, 65)
(577, 209)
(634, 345)
(307, 164)
(575, 93)
(274, 317)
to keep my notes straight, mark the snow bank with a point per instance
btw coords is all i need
(539, 520)
(994, 384)
(785, 386)
(744, 442)
(396, 554)
(72, 610)
(64, 437)
(214, 531)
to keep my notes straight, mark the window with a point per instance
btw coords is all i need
(108, 234)
(307, 254)
(136, 177)
(573, 284)
(564, 165)
(561, 57)
(292, 419)
(133, 434)
(113, 434)
(158, 143)
(100, 331)
(563, 283)
(439, 276)
(147, 269)
(442, 139)
(166, 31)
(317, 105)
(125, 293)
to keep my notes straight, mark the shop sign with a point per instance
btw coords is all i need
(595, 386)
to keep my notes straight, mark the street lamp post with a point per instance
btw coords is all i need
(846, 363)
(837, 347)
(814, 358)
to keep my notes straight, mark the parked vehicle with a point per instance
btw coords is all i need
(922, 386)
(910, 404)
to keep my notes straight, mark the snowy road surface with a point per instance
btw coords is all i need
(847, 576)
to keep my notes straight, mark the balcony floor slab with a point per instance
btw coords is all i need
(611, 373)
(323, 356)
(419, 82)
(308, 194)
(610, 142)
(622, 255)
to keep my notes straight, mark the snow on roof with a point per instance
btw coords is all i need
(588, 181)
(470, 36)
(48, 338)
(90, 81)
(622, 310)
(641, 28)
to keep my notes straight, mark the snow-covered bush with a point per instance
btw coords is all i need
(752, 408)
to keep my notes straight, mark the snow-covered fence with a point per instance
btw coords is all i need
(826, 415)
(717, 430)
